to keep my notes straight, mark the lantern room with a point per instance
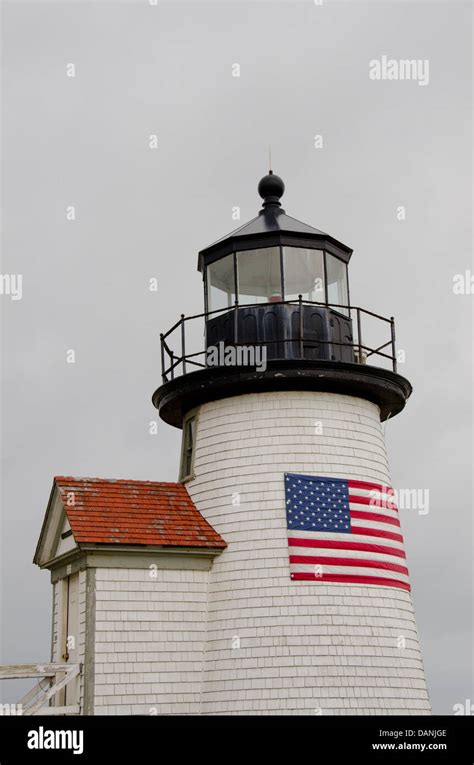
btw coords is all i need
(280, 278)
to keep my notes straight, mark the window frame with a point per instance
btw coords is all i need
(208, 286)
(326, 283)
(253, 249)
(323, 263)
(191, 416)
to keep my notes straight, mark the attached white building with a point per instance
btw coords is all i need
(129, 563)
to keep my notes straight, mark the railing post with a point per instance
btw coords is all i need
(394, 352)
(163, 375)
(236, 331)
(183, 344)
(359, 335)
(300, 299)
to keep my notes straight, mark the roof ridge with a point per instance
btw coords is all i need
(70, 478)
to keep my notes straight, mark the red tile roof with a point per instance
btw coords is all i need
(105, 511)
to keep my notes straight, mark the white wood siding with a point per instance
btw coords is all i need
(149, 640)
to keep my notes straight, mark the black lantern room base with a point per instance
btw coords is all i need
(383, 387)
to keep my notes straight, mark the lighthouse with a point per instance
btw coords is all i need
(271, 577)
(281, 405)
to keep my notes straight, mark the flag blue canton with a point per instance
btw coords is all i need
(317, 504)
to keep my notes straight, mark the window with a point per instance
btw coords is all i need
(336, 271)
(220, 283)
(304, 274)
(259, 275)
(187, 449)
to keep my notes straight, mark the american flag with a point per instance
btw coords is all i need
(344, 531)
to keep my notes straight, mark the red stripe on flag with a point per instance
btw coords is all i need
(353, 579)
(374, 517)
(377, 533)
(363, 547)
(311, 560)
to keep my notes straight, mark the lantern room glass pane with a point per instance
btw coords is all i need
(259, 275)
(220, 283)
(336, 271)
(304, 274)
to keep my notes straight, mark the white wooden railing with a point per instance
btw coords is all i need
(52, 678)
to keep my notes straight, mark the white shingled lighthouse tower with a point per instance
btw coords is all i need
(309, 607)
(271, 578)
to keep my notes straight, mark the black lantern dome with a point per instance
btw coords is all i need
(266, 267)
(279, 285)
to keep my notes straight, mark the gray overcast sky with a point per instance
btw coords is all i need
(142, 213)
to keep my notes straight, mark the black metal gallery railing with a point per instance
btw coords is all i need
(177, 359)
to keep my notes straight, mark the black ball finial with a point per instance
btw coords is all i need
(271, 188)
